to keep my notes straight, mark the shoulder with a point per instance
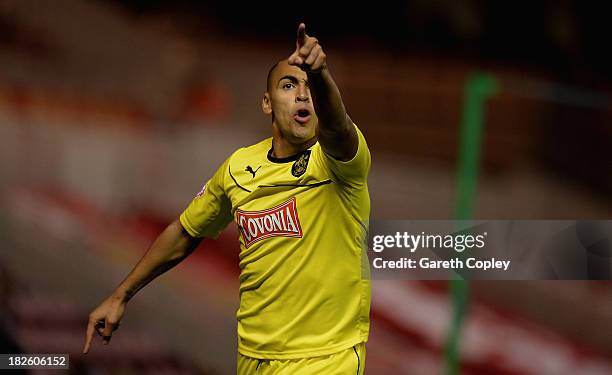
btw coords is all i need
(354, 171)
(256, 150)
(252, 155)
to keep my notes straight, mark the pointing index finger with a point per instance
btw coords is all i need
(301, 35)
(88, 337)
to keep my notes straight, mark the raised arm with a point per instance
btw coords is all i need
(336, 132)
(172, 246)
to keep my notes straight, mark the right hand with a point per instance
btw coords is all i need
(104, 320)
(308, 55)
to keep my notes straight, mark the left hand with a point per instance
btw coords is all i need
(308, 55)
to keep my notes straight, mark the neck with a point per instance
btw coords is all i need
(283, 148)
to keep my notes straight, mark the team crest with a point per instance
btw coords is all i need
(300, 165)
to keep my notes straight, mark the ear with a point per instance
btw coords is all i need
(266, 104)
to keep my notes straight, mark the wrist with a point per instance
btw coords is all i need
(121, 295)
(317, 71)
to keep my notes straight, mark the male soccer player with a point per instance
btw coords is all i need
(301, 203)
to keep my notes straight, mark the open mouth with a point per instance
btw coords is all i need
(302, 116)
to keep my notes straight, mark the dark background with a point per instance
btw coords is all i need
(113, 114)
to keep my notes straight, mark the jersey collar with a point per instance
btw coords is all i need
(285, 160)
(288, 158)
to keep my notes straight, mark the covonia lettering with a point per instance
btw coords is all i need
(279, 221)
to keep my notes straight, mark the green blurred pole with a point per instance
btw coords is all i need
(478, 88)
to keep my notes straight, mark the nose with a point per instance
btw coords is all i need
(302, 94)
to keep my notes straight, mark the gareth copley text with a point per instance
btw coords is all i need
(452, 264)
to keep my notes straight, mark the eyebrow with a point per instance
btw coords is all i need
(292, 79)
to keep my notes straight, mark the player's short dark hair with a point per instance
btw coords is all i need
(268, 80)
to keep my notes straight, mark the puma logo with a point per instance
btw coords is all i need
(249, 169)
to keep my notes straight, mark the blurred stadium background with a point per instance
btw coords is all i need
(114, 113)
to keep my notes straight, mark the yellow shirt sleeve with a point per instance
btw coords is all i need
(211, 210)
(354, 171)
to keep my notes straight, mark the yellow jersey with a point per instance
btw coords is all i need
(303, 222)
